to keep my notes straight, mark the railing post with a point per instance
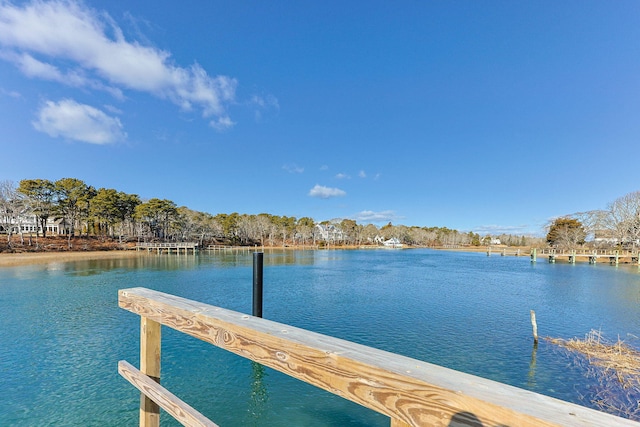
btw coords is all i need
(257, 283)
(150, 338)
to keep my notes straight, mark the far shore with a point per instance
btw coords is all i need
(27, 258)
(44, 257)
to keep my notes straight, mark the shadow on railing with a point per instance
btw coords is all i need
(410, 392)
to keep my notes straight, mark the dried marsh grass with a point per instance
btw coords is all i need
(615, 366)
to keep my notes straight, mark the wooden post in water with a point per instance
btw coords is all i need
(258, 262)
(534, 255)
(534, 325)
(150, 337)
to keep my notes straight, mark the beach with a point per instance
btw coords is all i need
(26, 258)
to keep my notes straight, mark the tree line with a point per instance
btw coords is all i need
(616, 225)
(82, 210)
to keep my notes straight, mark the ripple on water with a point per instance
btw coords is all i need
(61, 331)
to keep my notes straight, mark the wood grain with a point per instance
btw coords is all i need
(150, 340)
(407, 390)
(182, 412)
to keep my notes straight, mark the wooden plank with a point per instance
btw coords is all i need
(405, 389)
(398, 423)
(150, 340)
(181, 411)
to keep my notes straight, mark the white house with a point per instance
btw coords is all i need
(29, 224)
(393, 242)
(329, 233)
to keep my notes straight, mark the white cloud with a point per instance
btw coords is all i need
(268, 101)
(371, 216)
(326, 192)
(222, 123)
(264, 104)
(10, 93)
(112, 109)
(342, 176)
(293, 168)
(94, 49)
(362, 174)
(80, 122)
(34, 68)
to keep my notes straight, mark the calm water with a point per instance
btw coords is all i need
(62, 333)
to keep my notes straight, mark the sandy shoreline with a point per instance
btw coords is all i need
(27, 258)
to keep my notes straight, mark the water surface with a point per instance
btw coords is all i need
(62, 333)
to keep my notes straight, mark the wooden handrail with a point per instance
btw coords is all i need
(409, 391)
(165, 399)
(589, 251)
(167, 245)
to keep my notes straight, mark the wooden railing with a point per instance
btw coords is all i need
(230, 248)
(171, 245)
(587, 252)
(410, 392)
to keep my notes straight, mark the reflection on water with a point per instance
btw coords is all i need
(61, 332)
(531, 379)
(259, 395)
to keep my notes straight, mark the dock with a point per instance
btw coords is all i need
(504, 251)
(593, 256)
(169, 248)
(227, 248)
(612, 256)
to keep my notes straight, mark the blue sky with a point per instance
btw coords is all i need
(488, 116)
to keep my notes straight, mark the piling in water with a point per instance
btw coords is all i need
(257, 283)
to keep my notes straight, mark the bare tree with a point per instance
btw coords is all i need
(622, 218)
(304, 229)
(369, 232)
(264, 227)
(12, 208)
(246, 229)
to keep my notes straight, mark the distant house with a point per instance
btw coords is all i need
(392, 243)
(608, 238)
(29, 224)
(329, 233)
(605, 237)
(495, 241)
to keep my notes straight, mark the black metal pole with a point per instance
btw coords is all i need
(257, 283)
